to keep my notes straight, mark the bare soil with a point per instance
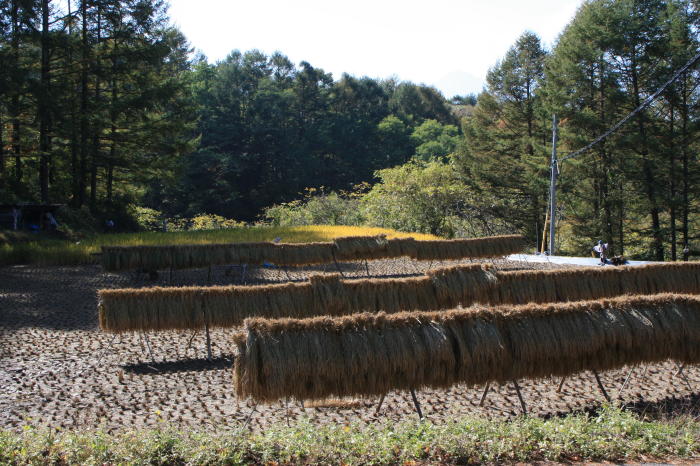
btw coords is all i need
(58, 369)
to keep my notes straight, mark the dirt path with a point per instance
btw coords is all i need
(57, 369)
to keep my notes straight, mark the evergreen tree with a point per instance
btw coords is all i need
(505, 153)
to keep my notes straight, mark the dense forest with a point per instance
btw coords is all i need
(104, 105)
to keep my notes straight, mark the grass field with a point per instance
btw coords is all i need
(612, 435)
(63, 252)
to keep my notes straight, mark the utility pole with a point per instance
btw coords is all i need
(553, 188)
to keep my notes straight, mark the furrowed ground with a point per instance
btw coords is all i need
(58, 370)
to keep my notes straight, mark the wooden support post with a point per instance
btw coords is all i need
(416, 404)
(244, 269)
(627, 379)
(679, 367)
(520, 396)
(209, 275)
(189, 342)
(206, 329)
(544, 232)
(685, 379)
(379, 405)
(486, 391)
(367, 269)
(148, 345)
(644, 373)
(286, 407)
(337, 266)
(561, 384)
(250, 416)
(600, 385)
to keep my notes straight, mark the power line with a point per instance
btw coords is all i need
(634, 112)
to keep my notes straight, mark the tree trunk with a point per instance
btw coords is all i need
(110, 177)
(74, 161)
(83, 104)
(113, 125)
(43, 106)
(672, 180)
(2, 149)
(95, 153)
(606, 175)
(684, 157)
(15, 104)
(648, 173)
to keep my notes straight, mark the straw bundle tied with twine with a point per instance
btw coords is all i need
(372, 354)
(116, 258)
(183, 308)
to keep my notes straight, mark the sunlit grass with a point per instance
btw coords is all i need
(61, 252)
(612, 435)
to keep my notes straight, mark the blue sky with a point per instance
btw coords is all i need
(450, 44)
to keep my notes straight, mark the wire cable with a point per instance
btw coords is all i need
(634, 112)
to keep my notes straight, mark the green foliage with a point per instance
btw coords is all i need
(612, 435)
(394, 141)
(318, 208)
(504, 159)
(107, 112)
(426, 197)
(270, 129)
(434, 140)
(213, 222)
(636, 190)
(147, 219)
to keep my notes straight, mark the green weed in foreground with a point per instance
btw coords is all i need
(63, 252)
(610, 436)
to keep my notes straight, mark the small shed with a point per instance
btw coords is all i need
(28, 216)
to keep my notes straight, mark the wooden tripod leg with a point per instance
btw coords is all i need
(337, 266)
(416, 404)
(627, 379)
(206, 328)
(644, 373)
(600, 385)
(189, 342)
(680, 372)
(561, 384)
(244, 269)
(250, 416)
(367, 269)
(520, 396)
(148, 345)
(486, 392)
(379, 405)
(680, 369)
(206, 331)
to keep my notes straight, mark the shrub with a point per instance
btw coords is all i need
(213, 222)
(318, 208)
(146, 218)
